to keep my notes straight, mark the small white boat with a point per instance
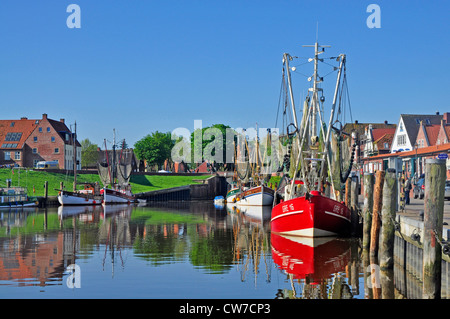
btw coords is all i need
(255, 196)
(219, 200)
(117, 196)
(16, 197)
(88, 196)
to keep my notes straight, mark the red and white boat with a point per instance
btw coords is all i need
(305, 210)
(313, 215)
(315, 258)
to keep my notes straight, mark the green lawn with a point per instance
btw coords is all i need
(35, 180)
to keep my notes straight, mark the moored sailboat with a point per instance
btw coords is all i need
(310, 205)
(251, 189)
(115, 176)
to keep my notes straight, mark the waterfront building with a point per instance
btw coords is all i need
(408, 128)
(25, 142)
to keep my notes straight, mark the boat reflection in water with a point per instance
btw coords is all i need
(314, 261)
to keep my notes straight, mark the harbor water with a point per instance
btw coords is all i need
(175, 251)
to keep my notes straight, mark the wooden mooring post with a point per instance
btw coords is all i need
(388, 213)
(435, 176)
(45, 192)
(376, 219)
(354, 206)
(367, 210)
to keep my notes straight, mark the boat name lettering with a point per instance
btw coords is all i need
(287, 208)
(338, 209)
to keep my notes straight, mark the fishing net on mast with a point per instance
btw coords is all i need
(243, 169)
(104, 172)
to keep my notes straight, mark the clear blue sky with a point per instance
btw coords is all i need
(142, 66)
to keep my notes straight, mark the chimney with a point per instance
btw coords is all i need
(437, 112)
(385, 122)
(24, 118)
(356, 122)
(61, 120)
(446, 117)
(44, 116)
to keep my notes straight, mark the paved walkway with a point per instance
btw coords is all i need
(416, 206)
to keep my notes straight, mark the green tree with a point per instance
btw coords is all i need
(213, 150)
(89, 153)
(155, 148)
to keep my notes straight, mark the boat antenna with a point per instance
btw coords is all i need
(317, 32)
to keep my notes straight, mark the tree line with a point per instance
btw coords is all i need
(155, 148)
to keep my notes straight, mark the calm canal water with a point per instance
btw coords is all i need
(181, 250)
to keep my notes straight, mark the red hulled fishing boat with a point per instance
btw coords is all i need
(309, 204)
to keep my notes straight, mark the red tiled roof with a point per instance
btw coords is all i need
(24, 126)
(377, 133)
(432, 133)
(420, 152)
(386, 138)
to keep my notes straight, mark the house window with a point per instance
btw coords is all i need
(48, 129)
(401, 140)
(35, 150)
(40, 130)
(7, 156)
(386, 146)
(17, 155)
(35, 139)
(56, 150)
(53, 139)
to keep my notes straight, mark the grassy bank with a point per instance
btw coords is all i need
(34, 181)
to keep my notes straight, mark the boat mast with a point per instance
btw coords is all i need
(286, 58)
(114, 159)
(315, 89)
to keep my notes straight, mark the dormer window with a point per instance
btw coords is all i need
(12, 124)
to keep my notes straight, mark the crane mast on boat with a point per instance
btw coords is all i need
(313, 175)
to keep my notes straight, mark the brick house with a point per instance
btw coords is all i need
(427, 135)
(26, 142)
